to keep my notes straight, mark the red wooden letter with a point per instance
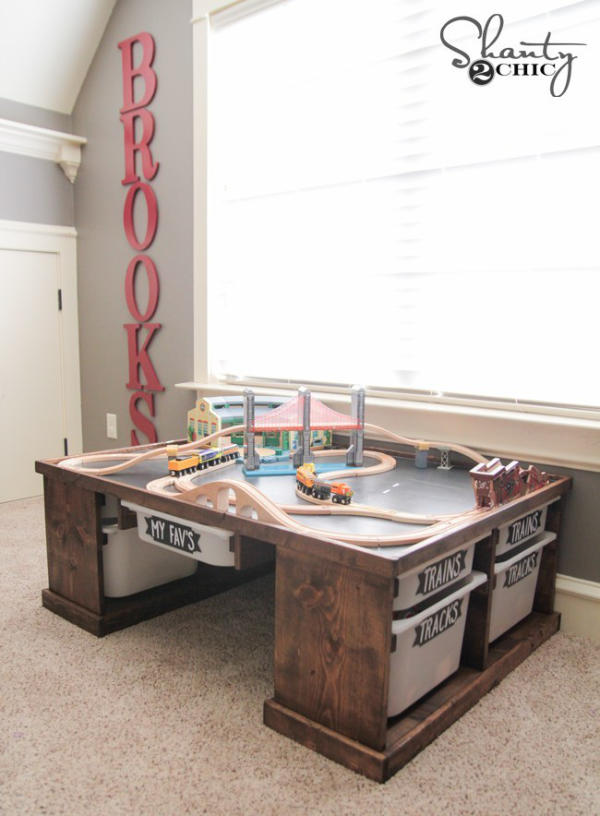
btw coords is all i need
(152, 287)
(139, 420)
(139, 357)
(149, 167)
(152, 209)
(142, 70)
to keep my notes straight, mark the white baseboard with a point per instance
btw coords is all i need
(578, 601)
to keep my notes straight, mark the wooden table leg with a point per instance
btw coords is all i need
(74, 549)
(332, 646)
(546, 583)
(475, 649)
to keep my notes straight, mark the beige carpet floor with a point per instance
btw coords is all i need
(166, 718)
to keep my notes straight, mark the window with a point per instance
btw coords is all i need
(375, 217)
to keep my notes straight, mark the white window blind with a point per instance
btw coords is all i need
(376, 217)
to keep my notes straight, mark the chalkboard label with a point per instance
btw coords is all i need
(520, 570)
(438, 623)
(524, 528)
(172, 534)
(443, 572)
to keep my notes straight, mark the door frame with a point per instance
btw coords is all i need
(60, 241)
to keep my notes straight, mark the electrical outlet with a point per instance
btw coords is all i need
(111, 426)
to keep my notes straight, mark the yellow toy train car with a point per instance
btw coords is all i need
(180, 464)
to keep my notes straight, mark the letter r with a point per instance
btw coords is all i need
(149, 166)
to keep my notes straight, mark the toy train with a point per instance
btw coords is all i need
(182, 463)
(307, 482)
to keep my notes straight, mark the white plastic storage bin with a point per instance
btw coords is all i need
(207, 544)
(516, 579)
(131, 565)
(518, 532)
(436, 576)
(428, 646)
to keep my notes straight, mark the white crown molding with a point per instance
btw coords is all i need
(41, 143)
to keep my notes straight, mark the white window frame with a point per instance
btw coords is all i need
(542, 433)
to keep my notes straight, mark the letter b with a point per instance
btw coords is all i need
(143, 70)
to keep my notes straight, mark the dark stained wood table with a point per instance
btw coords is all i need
(333, 611)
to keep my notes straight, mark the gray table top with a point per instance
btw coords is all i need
(406, 488)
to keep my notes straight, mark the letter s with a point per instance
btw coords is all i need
(458, 63)
(139, 420)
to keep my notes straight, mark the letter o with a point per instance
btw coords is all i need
(152, 209)
(153, 288)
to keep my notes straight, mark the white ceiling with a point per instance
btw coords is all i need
(46, 47)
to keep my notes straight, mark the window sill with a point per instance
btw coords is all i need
(561, 440)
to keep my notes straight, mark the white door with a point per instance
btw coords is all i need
(32, 415)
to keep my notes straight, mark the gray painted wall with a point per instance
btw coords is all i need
(103, 250)
(580, 531)
(30, 115)
(34, 190)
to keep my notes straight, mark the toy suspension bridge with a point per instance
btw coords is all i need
(304, 415)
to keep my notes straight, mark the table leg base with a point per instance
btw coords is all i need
(413, 730)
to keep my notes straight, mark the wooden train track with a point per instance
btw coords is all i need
(244, 499)
(329, 508)
(227, 494)
(129, 459)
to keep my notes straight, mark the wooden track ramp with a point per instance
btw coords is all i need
(128, 459)
(131, 459)
(327, 508)
(250, 502)
(385, 463)
(405, 440)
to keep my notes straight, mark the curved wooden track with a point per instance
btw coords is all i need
(386, 462)
(251, 503)
(183, 483)
(227, 495)
(172, 486)
(405, 440)
(327, 508)
(131, 459)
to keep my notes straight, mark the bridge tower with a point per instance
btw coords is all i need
(251, 457)
(302, 453)
(354, 455)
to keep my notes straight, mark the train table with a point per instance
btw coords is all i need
(387, 629)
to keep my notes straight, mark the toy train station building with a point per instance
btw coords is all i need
(213, 414)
